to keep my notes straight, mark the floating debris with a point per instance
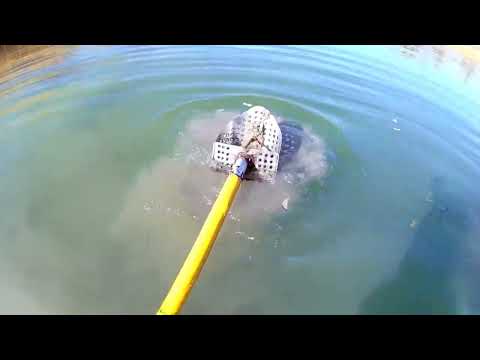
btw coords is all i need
(285, 204)
(247, 104)
(207, 200)
(395, 121)
(220, 110)
(289, 178)
(413, 223)
(396, 129)
(429, 197)
(251, 238)
(178, 212)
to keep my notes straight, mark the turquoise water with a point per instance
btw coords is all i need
(103, 184)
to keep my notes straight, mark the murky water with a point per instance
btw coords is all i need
(104, 183)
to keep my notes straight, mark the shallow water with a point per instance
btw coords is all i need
(105, 185)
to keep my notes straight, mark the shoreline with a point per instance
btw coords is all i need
(471, 52)
(15, 59)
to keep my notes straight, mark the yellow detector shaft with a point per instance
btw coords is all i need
(197, 257)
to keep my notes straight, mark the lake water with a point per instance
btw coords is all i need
(104, 183)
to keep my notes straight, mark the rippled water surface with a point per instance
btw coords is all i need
(104, 183)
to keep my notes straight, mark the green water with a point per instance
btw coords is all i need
(103, 187)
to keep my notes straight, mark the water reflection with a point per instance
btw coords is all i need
(439, 54)
(18, 60)
(469, 66)
(427, 278)
(410, 51)
(467, 57)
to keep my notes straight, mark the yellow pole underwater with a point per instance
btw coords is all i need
(195, 260)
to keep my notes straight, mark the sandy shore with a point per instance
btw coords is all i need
(471, 52)
(17, 59)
